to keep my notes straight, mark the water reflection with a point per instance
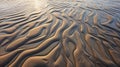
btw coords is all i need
(17, 6)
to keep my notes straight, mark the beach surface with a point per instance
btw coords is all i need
(59, 33)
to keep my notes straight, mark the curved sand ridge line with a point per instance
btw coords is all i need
(61, 35)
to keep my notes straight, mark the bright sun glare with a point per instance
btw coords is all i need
(39, 4)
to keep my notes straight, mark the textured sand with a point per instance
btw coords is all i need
(59, 33)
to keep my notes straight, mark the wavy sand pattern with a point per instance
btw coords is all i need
(60, 33)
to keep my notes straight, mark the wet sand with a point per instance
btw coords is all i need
(64, 33)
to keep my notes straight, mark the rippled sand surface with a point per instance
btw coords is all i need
(59, 33)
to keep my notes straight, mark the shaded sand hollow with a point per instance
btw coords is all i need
(59, 33)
